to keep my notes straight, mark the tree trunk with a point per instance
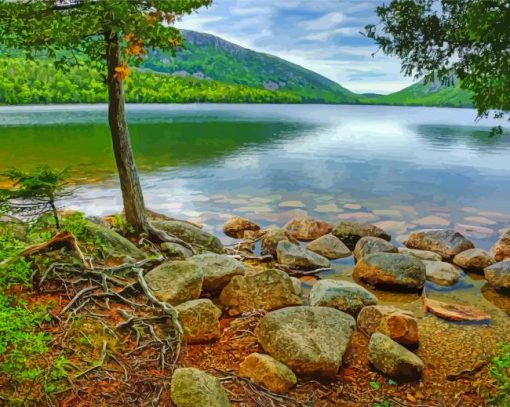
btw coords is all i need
(132, 196)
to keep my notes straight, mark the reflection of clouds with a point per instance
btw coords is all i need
(243, 161)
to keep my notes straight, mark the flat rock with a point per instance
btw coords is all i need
(498, 274)
(295, 256)
(191, 387)
(309, 340)
(358, 216)
(399, 325)
(421, 254)
(268, 290)
(432, 221)
(176, 282)
(350, 232)
(291, 204)
(391, 269)
(200, 320)
(474, 259)
(307, 228)
(190, 234)
(236, 226)
(218, 269)
(446, 242)
(271, 237)
(475, 231)
(175, 251)
(392, 359)
(267, 372)
(330, 247)
(501, 248)
(371, 244)
(342, 295)
(442, 273)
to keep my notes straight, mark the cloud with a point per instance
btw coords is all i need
(326, 21)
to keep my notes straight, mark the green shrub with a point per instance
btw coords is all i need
(499, 369)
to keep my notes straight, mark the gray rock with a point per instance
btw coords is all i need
(175, 251)
(498, 274)
(342, 295)
(391, 269)
(191, 387)
(351, 232)
(190, 234)
(420, 254)
(270, 239)
(392, 359)
(200, 320)
(268, 372)
(296, 285)
(446, 242)
(330, 247)
(442, 273)
(176, 282)
(307, 228)
(474, 259)
(268, 290)
(309, 340)
(295, 256)
(218, 269)
(370, 244)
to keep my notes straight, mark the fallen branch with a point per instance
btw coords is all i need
(297, 272)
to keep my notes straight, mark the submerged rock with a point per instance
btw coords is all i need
(392, 359)
(309, 340)
(307, 228)
(176, 282)
(446, 242)
(236, 226)
(200, 320)
(474, 259)
(350, 232)
(295, 256)
(175, 251)
(268, 372)
(501, 248)
(498, 274)
(391, 269)
(218, 269)
(370, 244)
(330, 247)
(190, 234)
(191, 387)
(420, 254)
(268, 290)
(442, 273)
(342, 295)
(270, 239)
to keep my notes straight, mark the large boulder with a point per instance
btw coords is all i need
(309, 340)
(268, 290)
(391, 269)
(295, 256)
(218, 269)
(175, 251)
(307, 228)
(370, 244)
(200, 320)
(501, 248)
(268, 372)
(191, 387)
(392, 359)
(420, 254)
(399, 325)
(236, 226)
(271, 237)
(176, 282)
(474, 259)
(342, 295)
(442, 273)
(351, 232)
(330, 247)
(190, 234)
(446, 242)
(498, 274)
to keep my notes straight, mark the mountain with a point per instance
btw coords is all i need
(210, 57)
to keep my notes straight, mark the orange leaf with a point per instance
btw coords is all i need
(410, 397)
(121, 72)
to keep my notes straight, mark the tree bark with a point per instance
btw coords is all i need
(134, 207)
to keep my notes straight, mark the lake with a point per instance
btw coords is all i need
(400, 167)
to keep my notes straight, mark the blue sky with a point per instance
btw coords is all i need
(322, 35)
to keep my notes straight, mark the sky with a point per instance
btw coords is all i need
(321, 35)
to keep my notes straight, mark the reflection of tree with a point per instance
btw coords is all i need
(441, 136)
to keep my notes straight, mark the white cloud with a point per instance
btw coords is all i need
(327, 21)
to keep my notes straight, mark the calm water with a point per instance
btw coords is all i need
(206, 162)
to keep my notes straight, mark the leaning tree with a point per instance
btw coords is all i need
(438, 38)
(108, 35)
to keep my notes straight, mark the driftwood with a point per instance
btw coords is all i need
(453, 312)
(61, 239)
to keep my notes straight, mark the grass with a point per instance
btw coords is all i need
(499, 370)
